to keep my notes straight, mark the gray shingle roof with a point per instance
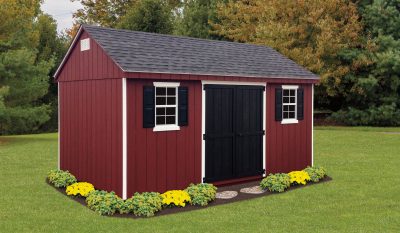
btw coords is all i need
(156, 53)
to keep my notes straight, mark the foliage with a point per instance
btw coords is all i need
(309, 32)
(103, 12)
(299, 177)
(81, 188)
(176, 198)
(143, 204)
(316, 173)
(60, 178)
(194, 18)
(149, 16)
(385, 115)
(276, 182)
(201, 194)
(103, 202)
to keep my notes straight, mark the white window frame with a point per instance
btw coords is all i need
(85, 44)
(169, 127)
(290, 120)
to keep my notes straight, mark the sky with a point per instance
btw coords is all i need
(61, 10)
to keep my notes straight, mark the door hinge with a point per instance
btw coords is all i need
(204, 180)
(204, 137)
(263, 132)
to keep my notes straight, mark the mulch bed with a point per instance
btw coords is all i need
(235, 187)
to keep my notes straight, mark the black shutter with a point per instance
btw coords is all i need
(182, 106)
(148, 107)
(300, 104)
(278, 104)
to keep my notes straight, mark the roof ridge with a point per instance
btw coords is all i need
(177, 36)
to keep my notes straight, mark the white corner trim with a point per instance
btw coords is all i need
(124, 141)
(312, 125)
(290, 87)
(159, 128)
(166, 84)
(59, 128)
(289, 121)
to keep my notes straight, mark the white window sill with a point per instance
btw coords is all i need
(289, 121)
(165, 128)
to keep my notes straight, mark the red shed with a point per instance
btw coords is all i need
(148, 112)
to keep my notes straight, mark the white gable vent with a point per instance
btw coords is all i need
(85, 44)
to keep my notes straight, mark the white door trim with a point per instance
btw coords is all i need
(124, 141)
(203, 119)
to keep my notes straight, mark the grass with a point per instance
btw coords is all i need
(363, 197)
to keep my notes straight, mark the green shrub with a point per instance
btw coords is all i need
(201, 194)
(103, 203)
(385, 115)
(142, 204)
(276, 182)
(316, 173)
(60, 178)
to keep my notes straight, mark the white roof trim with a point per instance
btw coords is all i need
(68, 52)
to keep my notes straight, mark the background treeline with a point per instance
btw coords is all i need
(353, 45)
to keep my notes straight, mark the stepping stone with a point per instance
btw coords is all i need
(226, 194)
(252, 190)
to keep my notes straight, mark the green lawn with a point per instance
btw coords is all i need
(363, 197)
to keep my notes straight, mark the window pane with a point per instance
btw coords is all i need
(170, 111)
(171, 91)
(160, 111)
(291, 115)
(160, 101)
(285, 92)
(285, 115)
(171, 100)
(285, 108)
(160, 91)
(285, 100)
(292, 100)
(292, 92)
(160, 120)
(170, 120)
(291, 108)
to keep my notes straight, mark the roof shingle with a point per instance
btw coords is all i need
(157, 53)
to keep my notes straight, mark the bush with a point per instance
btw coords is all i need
(176, 197)
(103, 203)
(142, 204)
(299, 177)
(201, 194)
(81, 188)
(276, 182)
(385, 115)
(316, 173)
(60, 178)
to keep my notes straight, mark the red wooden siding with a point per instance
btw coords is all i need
(91, 131)
(87, 65)
(288, 146)
(160, 161)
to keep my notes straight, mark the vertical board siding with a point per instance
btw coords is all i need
(159, 161)
(91, 132)
(288, 146)
(90, 64)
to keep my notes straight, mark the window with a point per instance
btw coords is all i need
(166, 114)
(85, 44)
(289, 104)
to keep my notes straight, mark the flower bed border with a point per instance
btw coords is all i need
(172, 210)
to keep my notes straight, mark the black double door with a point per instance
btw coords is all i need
(233, 132)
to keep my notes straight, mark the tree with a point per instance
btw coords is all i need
(311, 32)
(149, 16)
(375, 88)
(52, 46)
(106, 13)
(23, 78)
(195, 17)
